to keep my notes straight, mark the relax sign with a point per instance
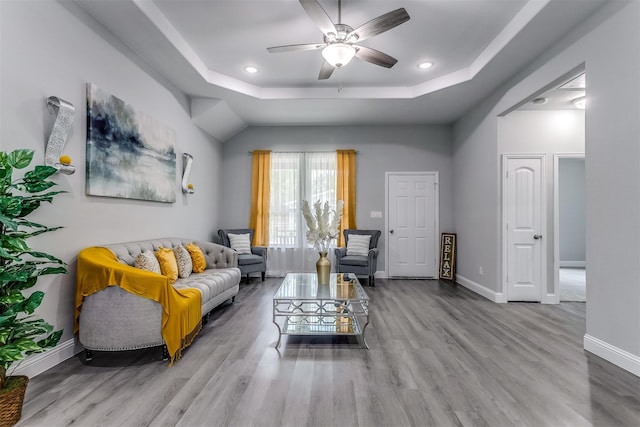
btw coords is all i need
(448, 256)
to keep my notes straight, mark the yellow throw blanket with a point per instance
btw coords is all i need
(98, 268)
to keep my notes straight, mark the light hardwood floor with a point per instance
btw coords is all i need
(440, 355)
(573, 284)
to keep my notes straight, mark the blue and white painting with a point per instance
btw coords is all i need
(129, 154)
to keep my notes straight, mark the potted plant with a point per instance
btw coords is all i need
(20, 267)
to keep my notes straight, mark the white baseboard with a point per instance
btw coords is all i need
(40, 362)
(624, 359)
(490, 294)
(572, 264)
(381, 275)
(550, 299)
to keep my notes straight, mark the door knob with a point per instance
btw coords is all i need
(537, 236)
(391, 231)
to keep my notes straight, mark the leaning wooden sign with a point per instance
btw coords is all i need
(448, 256)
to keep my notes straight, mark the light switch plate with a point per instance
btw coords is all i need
(376, 214)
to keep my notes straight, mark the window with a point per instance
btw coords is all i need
(296, 177)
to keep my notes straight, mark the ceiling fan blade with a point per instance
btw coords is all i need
(296, 47)
(325, 71)
(375, 57)
(318, 16)
(380, 24)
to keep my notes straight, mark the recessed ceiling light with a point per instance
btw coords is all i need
(580, 102)
(251, 69)
(425, 65)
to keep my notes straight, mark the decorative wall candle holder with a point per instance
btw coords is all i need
(187, 187)
(53, 153)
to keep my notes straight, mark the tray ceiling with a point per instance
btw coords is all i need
(202, 47)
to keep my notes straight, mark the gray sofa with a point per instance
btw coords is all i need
(114, 319)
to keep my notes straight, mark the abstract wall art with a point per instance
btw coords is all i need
(129, 154)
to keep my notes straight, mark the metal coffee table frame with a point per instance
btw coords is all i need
(302, 307)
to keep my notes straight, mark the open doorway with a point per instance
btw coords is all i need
(549, 123)
(569, 234)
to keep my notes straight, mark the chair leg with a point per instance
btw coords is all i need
(165, 352)
(372, 280)
(263, 273)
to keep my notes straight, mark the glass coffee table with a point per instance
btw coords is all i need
(302, 307)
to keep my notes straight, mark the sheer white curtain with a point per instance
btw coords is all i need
(296, 177)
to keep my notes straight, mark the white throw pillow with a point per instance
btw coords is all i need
(240, 243)
(185, 266)
(358, 244)
(147, 261)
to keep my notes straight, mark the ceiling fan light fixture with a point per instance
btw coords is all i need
(338, 48)
(338, 54)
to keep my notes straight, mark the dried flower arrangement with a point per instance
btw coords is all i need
(323, 223)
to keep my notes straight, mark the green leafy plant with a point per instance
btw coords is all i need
(20, 266)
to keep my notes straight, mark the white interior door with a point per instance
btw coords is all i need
(412, 207)
(524, 212)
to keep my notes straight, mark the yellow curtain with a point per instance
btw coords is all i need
(346, 187)
(260, 195)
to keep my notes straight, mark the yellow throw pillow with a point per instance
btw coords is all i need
(197, 257)
(168, 263)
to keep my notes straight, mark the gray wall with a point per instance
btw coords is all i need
(380, 149)
(50, 49)
(609, 46)
(543, 132)
(571, 210)
(476, 212)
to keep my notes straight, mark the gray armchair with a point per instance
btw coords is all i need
(356, 264)
(254, 263)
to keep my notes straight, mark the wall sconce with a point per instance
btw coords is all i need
(53, 153)
(187, 187)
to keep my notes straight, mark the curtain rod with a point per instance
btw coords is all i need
(302, 152)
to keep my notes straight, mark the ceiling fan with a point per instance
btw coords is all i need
(340, 40)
